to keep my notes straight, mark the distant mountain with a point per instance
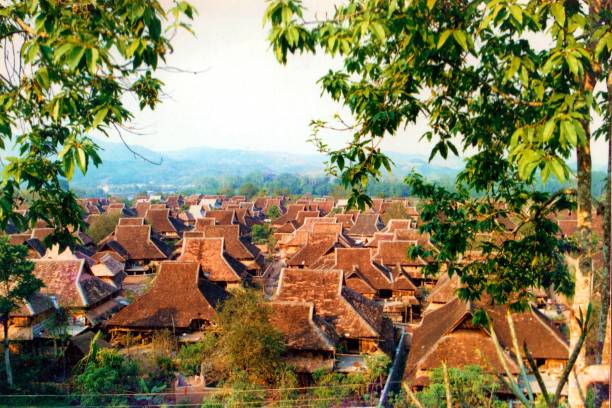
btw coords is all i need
(180, 168)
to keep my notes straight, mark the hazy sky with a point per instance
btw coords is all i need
(245, 98)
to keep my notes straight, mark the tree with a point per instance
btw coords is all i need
(249, 190)
(101, 226)
(70, 71)
(470, 387)
(246, 341)
(273, 212)
(523, 108)
(17, 285)
(104, 373)
(396, 211)
(261, 233)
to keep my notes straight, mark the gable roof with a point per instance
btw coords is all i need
(290, 215)
(351, 314)
(131, 221)
(160, 220)
(233, 245)
(216, 265)
(443, 335)
(71, 282)
(396, 253)
(317, 246)
(350, 260)
(301, 328)
(177, 298)
(135, 242)
(222, 217)
(366, 225)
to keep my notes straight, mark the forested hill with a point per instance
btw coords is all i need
(179, 170)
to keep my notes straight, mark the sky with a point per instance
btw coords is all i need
(244, 98)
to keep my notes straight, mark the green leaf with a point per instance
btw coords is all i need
(443, 37)
(92, 60)
(573, 64)
(59, 52)
(99, 117)
(74, 57)
(558, 168)
(82, 160)
(549, 128)
(461, 39)
(516, 12)
(569, 132)
(558, 11)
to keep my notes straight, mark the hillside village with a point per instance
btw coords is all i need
(340, 286)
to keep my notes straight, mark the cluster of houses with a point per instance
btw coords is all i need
(340, 283)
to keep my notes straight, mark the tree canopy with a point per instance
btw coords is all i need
(67, 70)
(516, 109)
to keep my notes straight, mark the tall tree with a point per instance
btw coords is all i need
(474, 70)
(68, 67)
(17, 285)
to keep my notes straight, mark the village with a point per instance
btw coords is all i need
(339, 283)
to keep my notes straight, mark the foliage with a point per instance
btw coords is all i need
(249, 190)
(517, 114)
(521, 99)
(74, 66)
(106, 372)
(190, 358)
(102, 225)
(273, 212)
(510, 262)
(246, 342)
(378, 366)
(331, 388)
(470, 387)
(261, 233)
(397, 210)
(18, 284)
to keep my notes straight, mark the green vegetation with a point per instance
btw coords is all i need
(18, 283)
(273, 212)
(246, 341)
(72, 68)
(396, 211)
(106, 372)
(261, 233)
(102, 225)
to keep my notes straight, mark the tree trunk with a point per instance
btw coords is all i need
(7, 352)
(583, 267)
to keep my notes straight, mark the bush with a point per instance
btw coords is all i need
(101, 226)
(470, 387)
(261, 233)
(273, 212)
(106, 372)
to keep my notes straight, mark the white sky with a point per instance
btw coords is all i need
(245, 98)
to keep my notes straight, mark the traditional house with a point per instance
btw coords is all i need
(240, 249)
(448, 335)
(366, 225)
(222, 217)
(394, 255)
(71, 285)
(180, 300)
(310, 340)
(374, 281)
(358, 321)
(289, 216)
(163, 224)
(137, 246)
(31, 320)
(217, 266)
(316, 249)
